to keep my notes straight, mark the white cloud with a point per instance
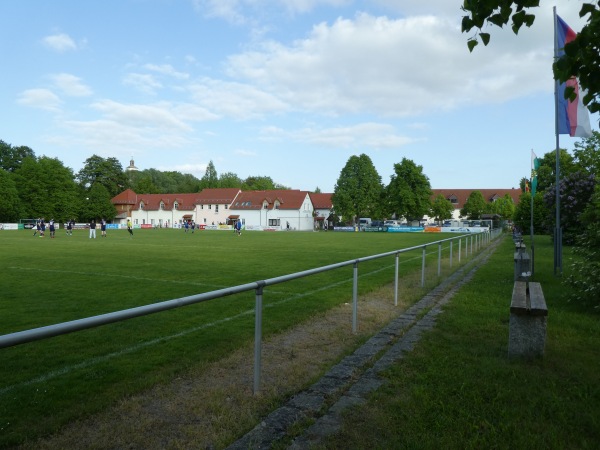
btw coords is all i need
(142, 82)
(374, 136)
(235, 100)
(40, 98)
(167, 69)
(160, 116)
(245, 153)
(71, 85)
(60, 42)
(390, 67)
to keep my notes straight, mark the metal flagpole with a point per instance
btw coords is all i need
(531, 193)
(557, 229)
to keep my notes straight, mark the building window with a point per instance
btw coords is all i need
(162, 205)
(226, 207)
(216, 208)
(209, 206)
(176, 205)
(453, 200)
(276, 205)
(274, 222)
(141, 205)
(265, 205)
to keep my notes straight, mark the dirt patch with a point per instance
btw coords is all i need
(211, 406)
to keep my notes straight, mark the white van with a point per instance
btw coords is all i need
(364, 222)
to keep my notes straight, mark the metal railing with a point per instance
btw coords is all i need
(474, 241)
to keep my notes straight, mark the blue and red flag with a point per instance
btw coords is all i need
(573, 116)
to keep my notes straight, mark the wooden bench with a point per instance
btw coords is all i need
(528, 319)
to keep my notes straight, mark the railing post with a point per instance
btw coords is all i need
(258, 337)
(439, 259)
(355, 299)
(451, 241)
(459, 248)
(471, 246)
(396, 279)
(423, 267)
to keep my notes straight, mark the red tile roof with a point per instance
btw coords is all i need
(461, 195)
(321, 201)
(253, 200)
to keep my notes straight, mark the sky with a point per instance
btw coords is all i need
(289, 89)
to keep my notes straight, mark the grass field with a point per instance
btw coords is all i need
(459, 390)
(45, 281)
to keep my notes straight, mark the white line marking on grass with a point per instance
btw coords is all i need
(90, 362)
(113, 275)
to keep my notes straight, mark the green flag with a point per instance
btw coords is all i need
(535, 165)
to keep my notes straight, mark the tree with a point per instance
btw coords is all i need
(357, 191)
(47, 189)
(11, 158)
(441, 208)
(144, 185)
(9, 198)
(258, 183)
(409, 191)
(504, 207)
(587, 154)
(522, 213)
(546, 173)
(584, 275)
(474, 207)
(581, 59)
(107, 172)
(97, 204)
(576, 191)
(229, 180)
(210, 178)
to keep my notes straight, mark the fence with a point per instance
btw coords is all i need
(473, 242)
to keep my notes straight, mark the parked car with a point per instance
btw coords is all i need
(377, 223)
(391, 223)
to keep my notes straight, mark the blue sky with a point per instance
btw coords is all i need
(283, 88)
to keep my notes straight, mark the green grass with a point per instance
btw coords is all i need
(459, 390)
(44, 281)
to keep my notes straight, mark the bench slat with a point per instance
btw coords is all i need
(518, 303)
(537, 300)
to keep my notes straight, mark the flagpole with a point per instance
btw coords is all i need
(531, 193)
(557, 229)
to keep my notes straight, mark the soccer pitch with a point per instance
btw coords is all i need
(47, 281)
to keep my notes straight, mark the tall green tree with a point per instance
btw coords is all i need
(258, 183)
(357, 192)
(409, 191)
(546, 173)
(504, 207)
(11, 157)
(522, 213)
(97, 204)
(587, 154)
(581, 59)
(210, 178)
(106, 171)
(47, 189)
(9, 198)
(229, 180)
(474, 207)
(441, 208)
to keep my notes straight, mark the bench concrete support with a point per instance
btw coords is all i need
(528, 319)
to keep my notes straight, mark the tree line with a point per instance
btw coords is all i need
(33, 187)
(359, 192)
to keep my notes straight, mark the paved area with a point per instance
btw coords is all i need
(351, 381)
